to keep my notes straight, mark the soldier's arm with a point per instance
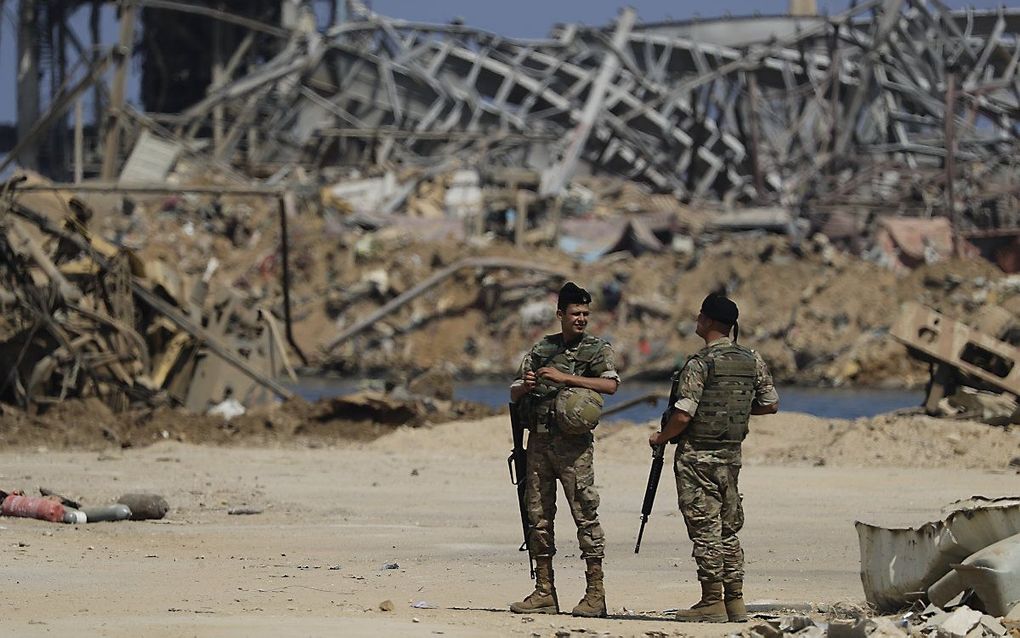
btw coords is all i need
(766, 399)
(675, 426)
(602, 376)
(599, 384)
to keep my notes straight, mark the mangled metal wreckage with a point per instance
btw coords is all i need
(85, 318)
(973, 550)
(894, 106)
(847, 109)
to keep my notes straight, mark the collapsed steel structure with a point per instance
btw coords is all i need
(734, 109)
(894, 102)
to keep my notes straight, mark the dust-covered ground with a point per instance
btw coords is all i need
(437, 502)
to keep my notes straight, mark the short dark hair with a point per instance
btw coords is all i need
(571, 293)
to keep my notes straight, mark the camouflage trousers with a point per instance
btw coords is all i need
(710, 504)
(552, 457)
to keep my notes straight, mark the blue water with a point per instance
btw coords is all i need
(844, 403)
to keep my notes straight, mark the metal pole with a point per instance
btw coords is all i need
(288, 205)
(111, 150)
(950, 163)
(752, 116)
(28, 80)
(79, 141)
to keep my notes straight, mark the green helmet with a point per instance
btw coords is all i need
(578, 410)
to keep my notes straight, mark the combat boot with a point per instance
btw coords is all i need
(733, 595)
(710, 608)
(543, 599)
(593, 605)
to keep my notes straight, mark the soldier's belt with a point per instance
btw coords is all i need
(708, 446)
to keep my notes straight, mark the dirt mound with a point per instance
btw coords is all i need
(892, 440)
(788, 438)
(90, 425)
(910, 441)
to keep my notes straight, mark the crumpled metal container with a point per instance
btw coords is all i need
(898, 565)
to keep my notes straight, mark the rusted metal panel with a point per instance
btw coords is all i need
(956, 344)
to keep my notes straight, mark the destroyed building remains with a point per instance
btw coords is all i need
(813, 112)
(889, 128)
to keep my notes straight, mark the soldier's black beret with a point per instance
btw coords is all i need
(571, 293)
(720, 309)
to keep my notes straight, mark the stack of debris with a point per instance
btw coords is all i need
(84, 317)
(955, 622)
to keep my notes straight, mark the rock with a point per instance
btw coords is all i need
(766, 630)
(1012, 619)
(848, 629)
(244, 511)
(145, 506)
(813, 631)
(959, 623)
(793, 624)
(845, 611)
(386, 605)
(993, 626)
(390, 566)
(886, 628)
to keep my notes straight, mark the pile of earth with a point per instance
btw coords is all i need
(90, 424)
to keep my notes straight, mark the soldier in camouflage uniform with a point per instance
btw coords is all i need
(719, 388)
(574, 359)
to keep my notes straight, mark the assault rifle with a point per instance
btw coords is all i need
(518, 464)
(658, 457)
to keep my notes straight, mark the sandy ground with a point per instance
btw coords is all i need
(438, 503)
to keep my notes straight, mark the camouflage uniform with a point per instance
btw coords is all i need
(553, 455)
(706, 479)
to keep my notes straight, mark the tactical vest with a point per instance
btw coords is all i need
(725, 407)
(540, 404)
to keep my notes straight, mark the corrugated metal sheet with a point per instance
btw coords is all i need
(150, 161)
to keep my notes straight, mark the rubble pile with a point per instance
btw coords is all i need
(931, 622)
(392, 298)
(85, 317)
(383, 197)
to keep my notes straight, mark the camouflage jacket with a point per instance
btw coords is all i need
(589, 357)
(692, 384)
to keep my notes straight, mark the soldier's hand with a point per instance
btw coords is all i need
(552, 374)
(653, 439)
(530, 380)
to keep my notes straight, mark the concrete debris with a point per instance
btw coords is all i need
(793, 624)
(932, 622)
(1012, 619)
(848, 629)
(959, 623)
